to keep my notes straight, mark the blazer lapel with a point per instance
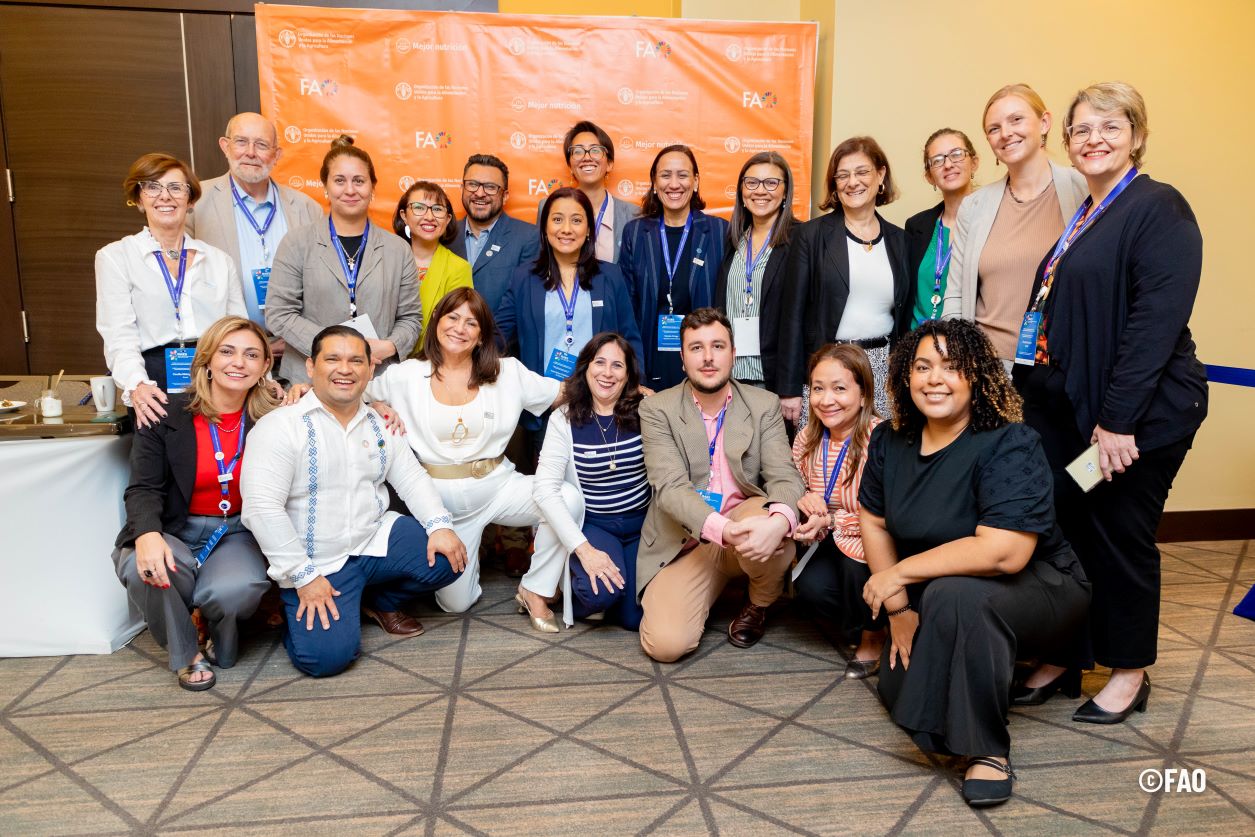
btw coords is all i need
(223, 208)
(775, 267)
(596, 295)
(693, 438)
(372, 259)
(835, 271)
(330, 260)
(181, 443)
(738, 432)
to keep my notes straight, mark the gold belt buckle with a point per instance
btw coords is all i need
(481, 468)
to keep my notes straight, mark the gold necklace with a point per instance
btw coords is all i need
(604, 441)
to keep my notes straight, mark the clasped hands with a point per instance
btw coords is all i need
(817, 518)
(756, 538)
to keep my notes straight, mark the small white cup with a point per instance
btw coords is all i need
(104, 393)
(49, 404)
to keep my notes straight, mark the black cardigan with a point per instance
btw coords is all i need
(817, 287)
(1117, 318)
(772, 292)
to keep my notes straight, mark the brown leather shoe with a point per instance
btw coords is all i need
(749, 625)
(395, 622)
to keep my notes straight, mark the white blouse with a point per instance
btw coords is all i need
(869, 307)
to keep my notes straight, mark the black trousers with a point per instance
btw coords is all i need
(831, 587)
(1112, 529)
(954, 696)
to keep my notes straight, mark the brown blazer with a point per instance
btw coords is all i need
(212, 220)
(677, 459)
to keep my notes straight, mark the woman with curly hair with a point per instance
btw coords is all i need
(959, 531)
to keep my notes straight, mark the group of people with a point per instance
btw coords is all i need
(879, 420)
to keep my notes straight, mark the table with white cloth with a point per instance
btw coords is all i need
(61, 485)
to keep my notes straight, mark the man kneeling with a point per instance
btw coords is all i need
(314, 497)
(718, 458)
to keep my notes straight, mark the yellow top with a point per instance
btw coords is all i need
(447, 271)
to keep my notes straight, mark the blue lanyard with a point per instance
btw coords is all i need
(260, 229)
(174, 287)
(714, 440)
(601, 213)
(350, 270)
(751, 260)
(671, 265)
(224, 477)
(941, 262)
(832, 478)
(568, 310)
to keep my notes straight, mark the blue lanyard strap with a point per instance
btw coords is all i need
(714, 440)
(262, 228)
(568, 309)
(350, 271)
(941, 261)
(832, 477)
(225, 468)
(751, 259)
(673, 264)
(175, 287)
(601, 213)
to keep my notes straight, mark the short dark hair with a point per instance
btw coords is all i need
(154, 167)
(546, 266)
(342, 146)
(858, 145)
(579, 398)
(651, 207)
(338, 330)
(489, 160)
(485, 357)
(587, 127)
(699, 317)
(398, 225)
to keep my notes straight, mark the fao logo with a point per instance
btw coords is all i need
(729, 192)
(292, 133)
(287, 38)
(627, 142)
(403, 90)
(518, 140)
(404, 45)
(625, 188)
(732, 145)
(405, 182)
(733, 52)
(516, 45)
(626, 95)
(296, 182)
(518, 103)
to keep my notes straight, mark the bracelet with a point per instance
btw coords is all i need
(899, 611)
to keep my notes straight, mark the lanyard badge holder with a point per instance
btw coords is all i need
(562, 361)
(712, 498)
(352, 266)
(225, 476)
(941, 263)
(669, 323)
(261, 275)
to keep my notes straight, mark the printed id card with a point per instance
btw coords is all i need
(669, 332)
(179, 367)
(561, 365)
(1026, 345)
(261, 283)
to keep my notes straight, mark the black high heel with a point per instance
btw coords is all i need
(1092, 713)
(1069, 683)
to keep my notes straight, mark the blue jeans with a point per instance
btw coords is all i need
(323, 652)
(619, 537)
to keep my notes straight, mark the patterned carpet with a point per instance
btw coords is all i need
(482, 726)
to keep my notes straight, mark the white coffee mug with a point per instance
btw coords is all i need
(104, 393)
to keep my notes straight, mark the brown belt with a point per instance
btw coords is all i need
(477, 469)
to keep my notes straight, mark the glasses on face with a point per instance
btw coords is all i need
(1109, 130)
(597, 152)
(956, 156)
(438, 211)
(490, 189)
(175, 189)
(860, 174)
(771, 184)
(243, 144)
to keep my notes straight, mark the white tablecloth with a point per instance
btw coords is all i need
(62, 509)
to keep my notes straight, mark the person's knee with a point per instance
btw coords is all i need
(323, 661)
(667, 645)
(234, 598)
(574, 500)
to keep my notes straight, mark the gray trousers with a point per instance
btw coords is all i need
(227, 589)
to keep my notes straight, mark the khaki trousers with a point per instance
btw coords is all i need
(678, 599)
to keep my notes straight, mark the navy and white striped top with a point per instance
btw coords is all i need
(624, 490)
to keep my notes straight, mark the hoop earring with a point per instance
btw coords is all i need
(881, 190)
(208, 374)
(407, 230)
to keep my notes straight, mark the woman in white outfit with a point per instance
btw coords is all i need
(460, 402)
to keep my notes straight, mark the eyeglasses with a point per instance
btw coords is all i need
(955, 155)
(861, 174)
(437, 210)
(175, 189)
(490, 189)
(771, 184)
(582, 151)
(1109, 130)
(244, 143)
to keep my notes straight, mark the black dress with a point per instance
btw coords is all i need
(954, 697)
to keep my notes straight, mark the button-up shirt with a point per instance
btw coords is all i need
(252, 255)
(475, 243)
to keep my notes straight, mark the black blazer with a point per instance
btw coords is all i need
(919, 234)
(163, 473)
(769, 313)
(818, 286)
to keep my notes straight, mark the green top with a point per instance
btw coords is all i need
(924, 307)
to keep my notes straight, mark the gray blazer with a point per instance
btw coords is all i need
(308, 292)
(677, 460)
(624, 211)
(510, 243)
(213, 218)
(976, 219)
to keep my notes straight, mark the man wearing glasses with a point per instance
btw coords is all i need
(493, 242)
(246, 214)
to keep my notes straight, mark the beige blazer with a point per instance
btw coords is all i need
(976, 219)
(677, 459)
(212, 220)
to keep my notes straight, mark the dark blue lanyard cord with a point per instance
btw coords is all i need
(670, 264)
(350, 272)
(832, 478)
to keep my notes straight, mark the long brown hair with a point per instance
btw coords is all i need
(485, 357)
(579, 398)
(854, 359)
(259, 400)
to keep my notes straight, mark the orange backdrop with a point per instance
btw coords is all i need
(422, 91)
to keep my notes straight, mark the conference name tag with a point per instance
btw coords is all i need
(1026, 345)
(699, 262)
(669, 332)
(179, 367)
(713, 499)
(561, 365)
(261, 282)
(362, 324)
(745, 335)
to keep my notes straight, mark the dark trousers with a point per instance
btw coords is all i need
(954, 697)
(831, 586)
(323, 652)
(1112, 529)
(618, 536)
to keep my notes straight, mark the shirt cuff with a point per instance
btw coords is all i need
(444, 521)
(712, 529)
(786, 512)
(304, 575)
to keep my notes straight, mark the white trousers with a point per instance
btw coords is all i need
(504, 497)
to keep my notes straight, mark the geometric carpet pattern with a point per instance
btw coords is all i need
(483, 726)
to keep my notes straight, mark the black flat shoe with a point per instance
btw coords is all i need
(1069, 683)
(982, 793)
(862, 669)
(1092, 713)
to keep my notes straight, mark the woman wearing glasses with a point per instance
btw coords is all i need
(344, 270)
(590, 157)
(848, 281)
(425, 217)
(158, 290)
(1003, 229)
(1113, 365)
(751, 279)
(949, 165)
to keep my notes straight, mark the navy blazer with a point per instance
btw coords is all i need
(772, 294)
(515, 243)
(521, 315)
(640, 258)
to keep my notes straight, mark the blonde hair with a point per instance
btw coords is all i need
(1022, 91)
(259, 400)
(1110, 96)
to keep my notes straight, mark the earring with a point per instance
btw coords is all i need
(407, 230)
(208, 373)
(881, 190)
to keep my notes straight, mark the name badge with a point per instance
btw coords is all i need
(712, 499)
(599, 303)
(699, 262)
(669, 332)
(1026, 345)
(261, 282)
(179, 368)
(561, 365)
(745, 335)
(362, 324)
(227, 477)
(494, 247)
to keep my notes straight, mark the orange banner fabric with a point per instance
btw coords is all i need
(422, 91)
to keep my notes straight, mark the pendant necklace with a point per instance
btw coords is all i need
(867, 245)
(606, 442)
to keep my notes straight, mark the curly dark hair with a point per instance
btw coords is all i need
(994, 400)
(579, 398)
